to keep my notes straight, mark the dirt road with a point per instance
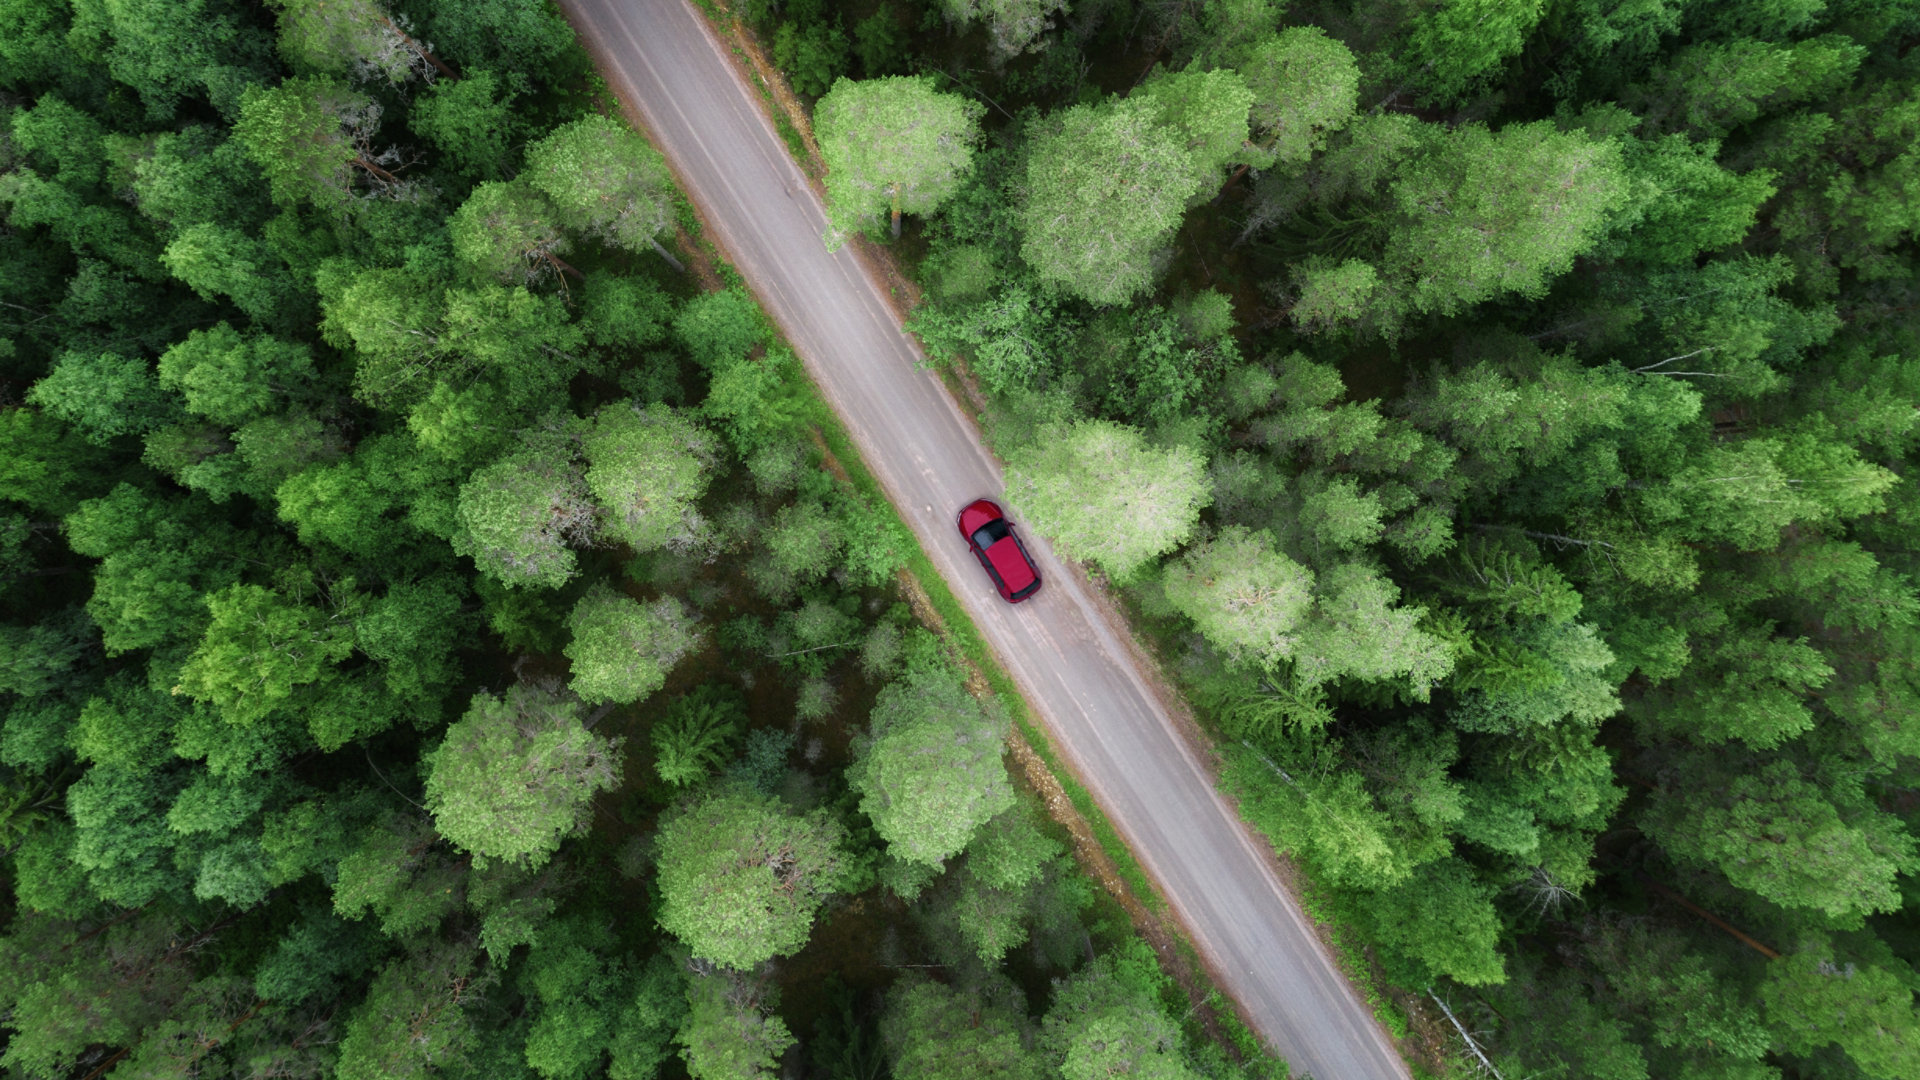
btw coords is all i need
(661, 59)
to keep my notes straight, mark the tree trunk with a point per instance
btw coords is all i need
(419, 49)
(376, 170)
(896, 211)
(1749, 942)
(667, 255)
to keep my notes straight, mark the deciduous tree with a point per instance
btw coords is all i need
(1103, 494)
(648, 465)
(308, 136)
(517, 774)
(741, 876)
(510, 232)
(1107, 185)
(605, 180)
(622, 649)
(892, 145)
(1304, 85)
(1248, 599)
(929, 773)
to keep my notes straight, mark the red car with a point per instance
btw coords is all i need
(990, 535)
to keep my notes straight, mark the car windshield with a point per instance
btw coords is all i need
(989, 534)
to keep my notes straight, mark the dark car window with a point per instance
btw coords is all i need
(989, 534)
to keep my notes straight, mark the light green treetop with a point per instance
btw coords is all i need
(308, 136)
(356, 38)
(258, 648)
(931, 773)
(729, 1032)
(1107, 186)
(510, 232)
(1102, 493)
(605, 180)
(1357, 631)
(741, 876)
(517, 774)
(1013, 26)
(622, 649)
(647, 466)
(1248, 599)
(518, 515)
(229, 378)
(1485, 213)
(1207, 113)
(1305, 84)
(892, 145)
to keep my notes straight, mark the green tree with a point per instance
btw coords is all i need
(934, 1032)
(518, 515)
(260, 646)
(1440, 922)
(1772, 832)
(622, 649)
(308, 136)
(1487, 213)
(168, 51)
(720, 328)
(730, 1032)
(1356, 632)
(648, 466)
(509, 231)
(1248, 599)
(929, 773)
(692, 739)
(471, 121)
(217, 261)
(1107, 186)
(102, 395)
(517, 774)
(415, 1019)
(1103, 494)
(230, 378)
(1815, 997)
(1686, 202)
(604, 179)
(591, 1005)
(1206, 112)
(356, 38)
(1013, 26)
(1305, 85)
(894, 145)
(1098, 1026)
(741, 876)
(1450, 47)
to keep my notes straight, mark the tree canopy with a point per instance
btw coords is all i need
(897, 145)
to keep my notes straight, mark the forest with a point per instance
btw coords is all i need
(437, 638)
(1499, 414)
(437, 635)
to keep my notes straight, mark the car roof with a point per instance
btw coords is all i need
(1011, 564)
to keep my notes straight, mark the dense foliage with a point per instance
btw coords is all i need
(1504, 414)
(431, 642)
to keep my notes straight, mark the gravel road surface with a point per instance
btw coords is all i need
(661, 59)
